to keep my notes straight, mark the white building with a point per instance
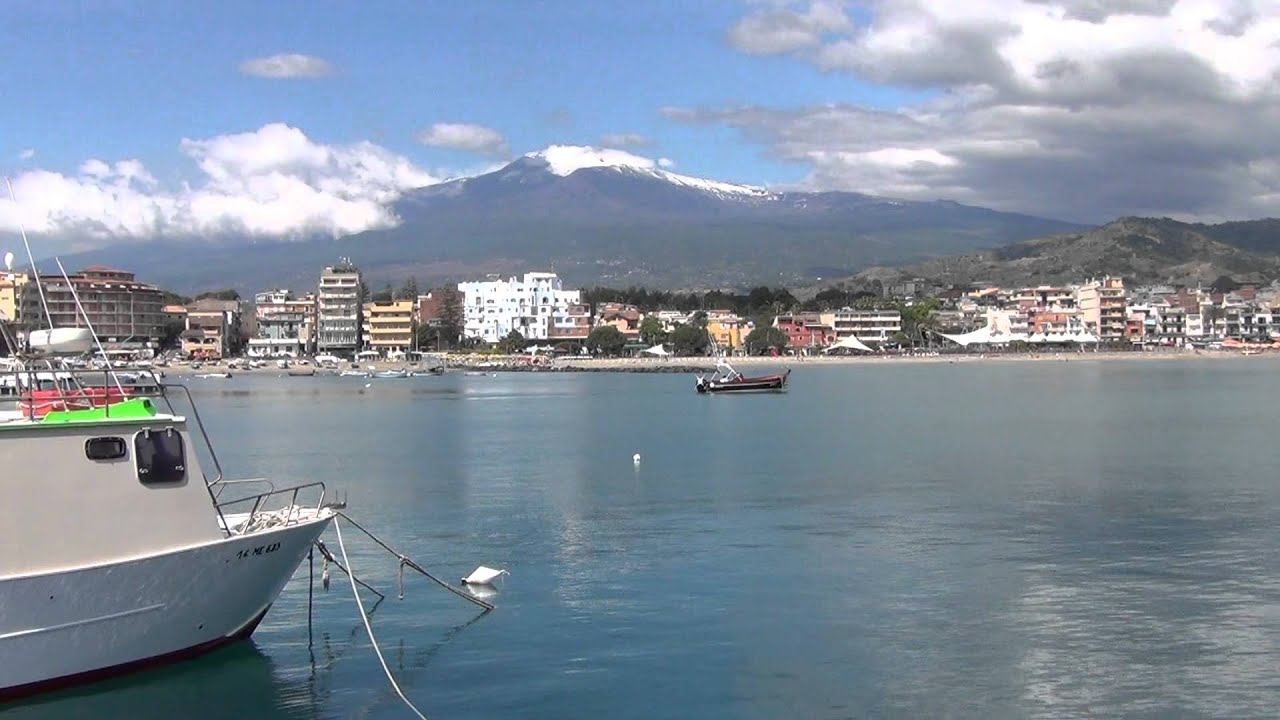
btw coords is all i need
(532, 305)
(338, 310)
(866, 325)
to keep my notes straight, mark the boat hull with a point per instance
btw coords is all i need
(81, 625)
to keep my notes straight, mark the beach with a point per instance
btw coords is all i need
(524, 363)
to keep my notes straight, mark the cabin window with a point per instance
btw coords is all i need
(160, 457)
(105, 448)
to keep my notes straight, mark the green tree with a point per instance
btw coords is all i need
(918, 319)
(513, 343)
(606, 340)
(227, 294)
(169, 337)
(409, 290)
(428, 337)
(764, 337)
(384, 295)
(651, 332)
(452, 318)
(691, 339)
(365, 295)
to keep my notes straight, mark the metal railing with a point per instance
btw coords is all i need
(260, 505)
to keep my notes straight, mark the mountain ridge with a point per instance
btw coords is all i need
(1141, 250)
(598, 221)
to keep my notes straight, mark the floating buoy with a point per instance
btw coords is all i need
(635, 458)
(483, 576)
(324, 574)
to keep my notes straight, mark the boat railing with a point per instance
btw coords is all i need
(223, 484)
(263, 511)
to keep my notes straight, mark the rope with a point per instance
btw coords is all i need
(328, 556)
(363, 616)
(405, 560)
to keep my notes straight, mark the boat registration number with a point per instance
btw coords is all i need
(260, 550)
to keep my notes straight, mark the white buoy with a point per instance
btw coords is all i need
(635, 459)
(483, 576)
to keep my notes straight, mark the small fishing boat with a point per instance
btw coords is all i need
(353, 373)
(214, 375)
(727, 379)
(391, 374)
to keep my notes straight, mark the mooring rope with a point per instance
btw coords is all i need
(355, 592)
(328, 556)
(406, 560)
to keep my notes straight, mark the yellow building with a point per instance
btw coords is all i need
(728, 332)
(10, 295)
(388, 326)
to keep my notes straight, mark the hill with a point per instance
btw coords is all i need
(1141, 250)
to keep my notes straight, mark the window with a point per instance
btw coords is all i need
(160, 457)
(105, 448)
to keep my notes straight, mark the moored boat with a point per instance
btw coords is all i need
(131, 555)
(728, 380)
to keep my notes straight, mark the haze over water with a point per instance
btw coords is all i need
(1051, 539)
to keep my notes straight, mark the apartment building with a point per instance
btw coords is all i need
(1102, 308)
(124, 313)
(532, 304)
(338, 310)
(868, 326)
(284, 325)
(388, 326)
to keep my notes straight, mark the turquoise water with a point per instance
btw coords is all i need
(950, 540)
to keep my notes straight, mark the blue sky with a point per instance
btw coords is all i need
(115, 80)
(130, 120)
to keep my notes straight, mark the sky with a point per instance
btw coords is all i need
(136, 120)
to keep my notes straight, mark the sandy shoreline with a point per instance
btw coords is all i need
(634, 364)
(497, 363)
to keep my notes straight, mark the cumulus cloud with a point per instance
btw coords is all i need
(465, 136)
(1082, 109)
(785, 28)
(273, 182)
(286, 66)
(625, 140)
(27, 154)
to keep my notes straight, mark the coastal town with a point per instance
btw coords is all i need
(341, 318)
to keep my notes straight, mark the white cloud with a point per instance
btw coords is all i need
(27, 154)
(1083, 109)
(783, 29)
(465, 136)
(666, 163)
(625, 140)
(287, 65)
(271, 182)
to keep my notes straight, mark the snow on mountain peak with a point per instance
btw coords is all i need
(564, 160)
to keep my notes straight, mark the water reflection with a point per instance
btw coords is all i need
(236, 681)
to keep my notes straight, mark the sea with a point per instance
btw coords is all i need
(1065, 538)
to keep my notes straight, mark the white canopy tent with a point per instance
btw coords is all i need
(986, 336)
(849, 343)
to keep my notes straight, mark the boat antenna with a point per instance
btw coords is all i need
(35, 274)
(96, 341)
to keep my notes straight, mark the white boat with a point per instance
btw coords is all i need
(353, 373)
(129, 557)
(69, 340)
(388, 374)
(214, 375)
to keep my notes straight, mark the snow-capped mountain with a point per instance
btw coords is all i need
(600, 216)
